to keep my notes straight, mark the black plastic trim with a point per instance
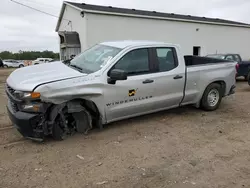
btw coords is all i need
(24, 122)
(184, 87)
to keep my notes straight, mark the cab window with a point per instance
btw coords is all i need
(166, 59)
(230, 57)
(134, 62)
(237, 58)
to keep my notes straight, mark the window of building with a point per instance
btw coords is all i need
(196, 50)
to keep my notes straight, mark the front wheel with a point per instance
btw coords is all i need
(212, 96)
(5, 66)
(20, 66)
(58, 131)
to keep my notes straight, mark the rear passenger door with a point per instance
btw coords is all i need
(169, 78)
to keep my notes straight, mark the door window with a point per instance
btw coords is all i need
(229, 57)
(134, 62)
(237, 58)
(166, 59)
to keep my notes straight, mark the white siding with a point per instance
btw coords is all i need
(211, 38)
(78, 24)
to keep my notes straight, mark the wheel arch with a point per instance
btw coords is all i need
(90, 106)
(220, 82)
(78, 105)
(223, 86)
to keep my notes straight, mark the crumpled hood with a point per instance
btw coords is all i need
(27, 78)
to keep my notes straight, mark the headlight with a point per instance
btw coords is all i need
(27, 95)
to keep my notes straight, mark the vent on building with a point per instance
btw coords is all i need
(69, 44)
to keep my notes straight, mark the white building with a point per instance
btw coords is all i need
(82, 25)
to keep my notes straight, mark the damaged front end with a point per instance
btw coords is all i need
(35, 119)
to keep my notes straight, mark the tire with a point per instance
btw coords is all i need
(247, 77)
(20, 66)
(5, 66)
(57, 132)
(211, 98)
(83, 121)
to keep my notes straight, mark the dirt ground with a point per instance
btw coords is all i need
(180, 148)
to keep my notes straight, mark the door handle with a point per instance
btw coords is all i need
(178, 77)
(147, 81)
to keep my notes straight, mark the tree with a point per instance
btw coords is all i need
(28, 55)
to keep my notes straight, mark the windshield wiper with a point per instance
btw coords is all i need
(76, 67)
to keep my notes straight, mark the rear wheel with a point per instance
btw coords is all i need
(248, 76)
(5, 66)
(20, 66)
(212, 96)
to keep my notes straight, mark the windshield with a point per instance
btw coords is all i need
(94, 58)
(217, 56)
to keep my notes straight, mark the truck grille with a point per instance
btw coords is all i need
(12, 103)
(11, 90)
(13, 106)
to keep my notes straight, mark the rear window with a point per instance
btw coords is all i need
(216, 56)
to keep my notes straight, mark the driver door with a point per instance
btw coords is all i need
(134, 96)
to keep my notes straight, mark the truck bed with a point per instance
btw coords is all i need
(201, 71)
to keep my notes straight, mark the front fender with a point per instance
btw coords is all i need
(68, 90)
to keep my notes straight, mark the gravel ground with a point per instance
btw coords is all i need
(179, 148)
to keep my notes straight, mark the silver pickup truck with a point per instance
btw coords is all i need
(113, 81)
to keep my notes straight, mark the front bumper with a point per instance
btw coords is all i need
(26, 123)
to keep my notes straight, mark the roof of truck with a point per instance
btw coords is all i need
(133, 43)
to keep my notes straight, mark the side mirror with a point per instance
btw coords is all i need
(116, 74)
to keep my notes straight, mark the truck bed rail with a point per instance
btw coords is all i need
(197, 60)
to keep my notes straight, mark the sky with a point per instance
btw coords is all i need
(25, 29)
